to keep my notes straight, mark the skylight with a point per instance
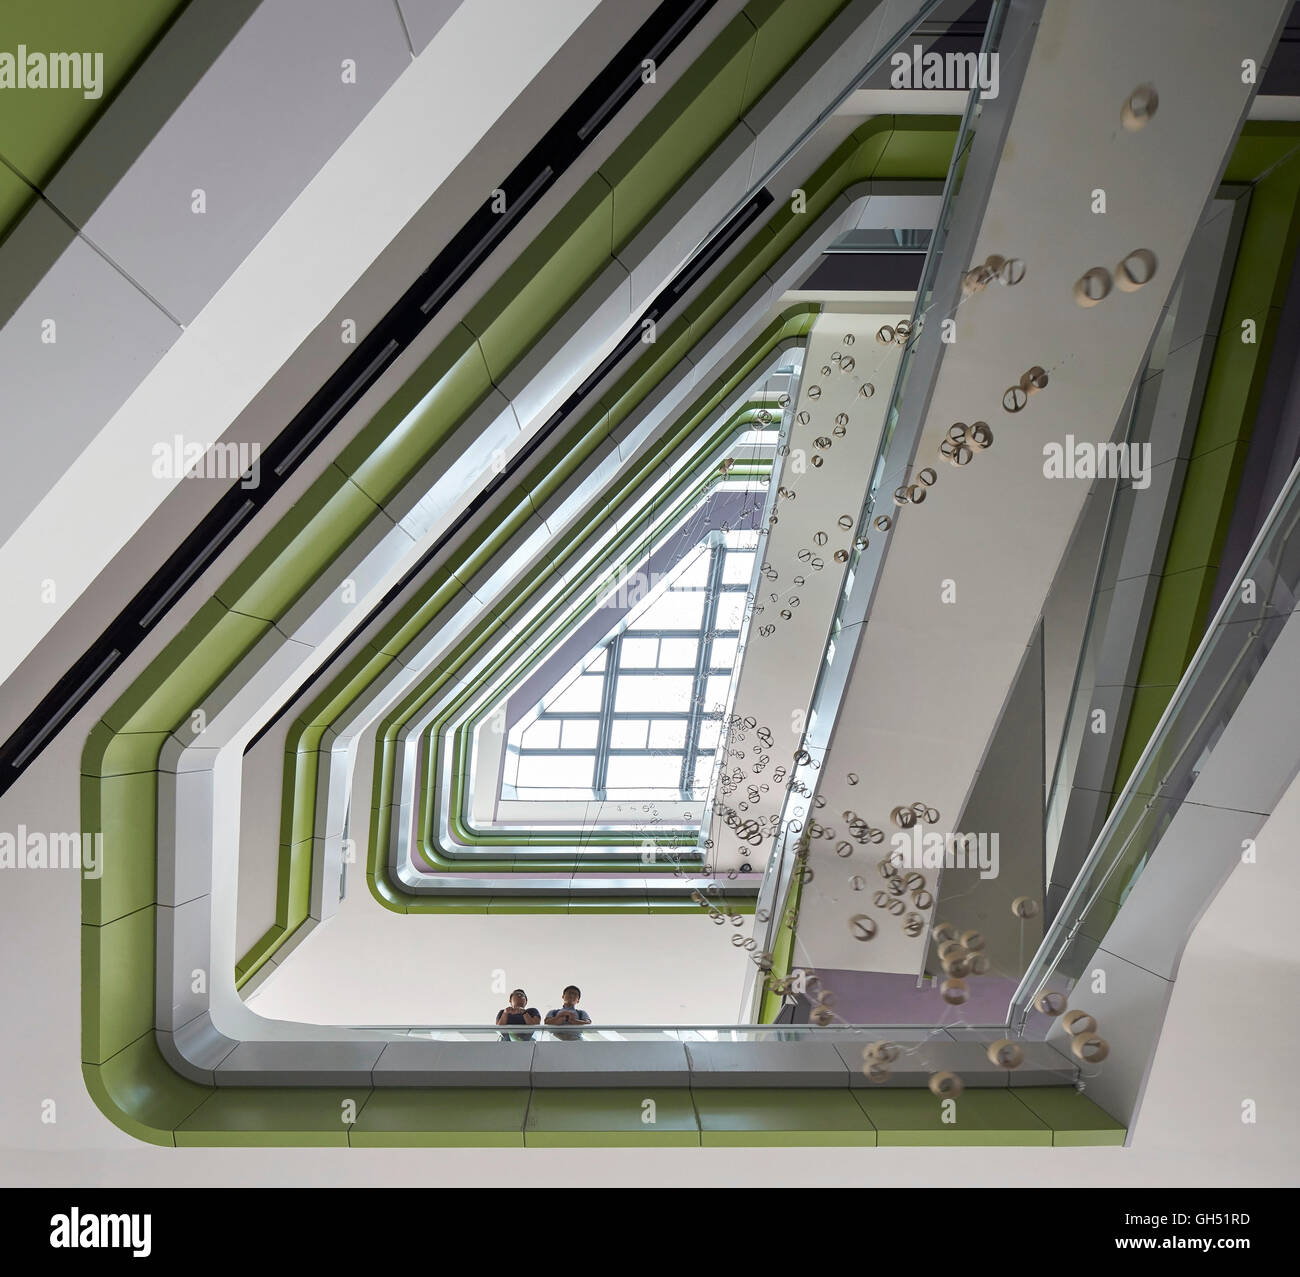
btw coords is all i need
(639, 715)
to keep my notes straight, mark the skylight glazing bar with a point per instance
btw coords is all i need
(608, 691)
(708, 624)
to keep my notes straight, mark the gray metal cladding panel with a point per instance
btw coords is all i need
(766, 1064)
(251, 134)
(424, 1063)
(586, 1063)
(298, 1064)
(425, 18)
(71, 354)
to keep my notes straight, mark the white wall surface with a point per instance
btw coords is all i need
(632, 969)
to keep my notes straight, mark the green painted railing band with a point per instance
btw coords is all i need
(1265, 156)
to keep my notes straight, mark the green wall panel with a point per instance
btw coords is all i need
(111, 753)
(142, 1094)
(294, 884)
(1074, 1119)
(415, 422)
(454, 1117)
(1265, 156)
(1260, 146)
(1198, 542)
(784, 31)
(118, 805)
(919, 147)
(15, 194)
(268, 1116)
(739, 1117)
(980, 1116)
(441, 589)
(38, 128)
(174, 685)
(695, 114)
(262, 951)
(298, 808)
(117, 982)
(542, 282)
(298, 549)
(611, 1116)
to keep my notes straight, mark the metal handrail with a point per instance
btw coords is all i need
(777, 879)
(670, 1033)
(1168, 759)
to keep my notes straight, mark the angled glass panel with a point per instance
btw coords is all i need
(637, 716)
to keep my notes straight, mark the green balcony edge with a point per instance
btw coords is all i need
(126, 1078)
(138, 1091)
(281, 567)
(1225, 424)
(120, 761)
(295, 863)
(588, 584)
(40, 132)
(685, 491)
(885, 148)
(788, 329)
(931, 140)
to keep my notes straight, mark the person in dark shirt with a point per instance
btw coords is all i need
(519, 1012)
(568, 1013)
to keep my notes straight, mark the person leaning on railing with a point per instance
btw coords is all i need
(519, 1012)
(568, 1012)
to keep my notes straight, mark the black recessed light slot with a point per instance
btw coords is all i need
(345, 401)
(688, 18)
(709, 254)
(71, 690)
(616, 84)
(485, 234)
(199, 548)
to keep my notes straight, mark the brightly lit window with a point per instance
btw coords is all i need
(639, 716)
